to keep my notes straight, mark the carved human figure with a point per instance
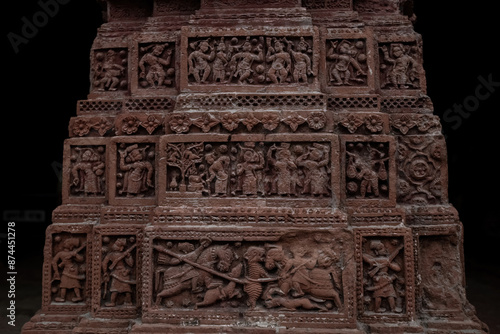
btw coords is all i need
(404, 71)
(301, 61)
(108, 72)
(322, 276)
(297, 269)
(218, 169)
(370, 170)
(199, 61)
(180, 275)
(280, 60)
(138, 176)
(247, 170)
(155, 74)
(383, 281)
(87, 173)
(68, 260)
(284, 167)
(299, 275)
(222, 291)
(220, 62)
(196, 179)
(117, 267)
(316, 161)
(244, 61)
(344, 54)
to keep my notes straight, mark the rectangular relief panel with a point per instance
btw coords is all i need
(85, 171)
(273, 170)
(132, 171)
(385, 282)
(295, 278)
(116, 266)
(347, 61)
(67, 268)
(368, 170)
(442, 289)
(280, 59)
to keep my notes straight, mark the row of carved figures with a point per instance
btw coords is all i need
(259, 60)
(291, 275)
(261, 169)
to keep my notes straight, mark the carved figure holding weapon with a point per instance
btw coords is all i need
(70, 277)
(119, 263)
(379, 272)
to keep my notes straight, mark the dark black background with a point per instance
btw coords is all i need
(44, 79)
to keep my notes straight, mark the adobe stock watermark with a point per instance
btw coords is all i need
(31, 25)
(484, 90)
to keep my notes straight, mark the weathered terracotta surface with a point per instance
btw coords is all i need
(255, 167)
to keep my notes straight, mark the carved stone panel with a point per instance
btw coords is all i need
(385, 273)
(442, 282)
(293, 275)
(133, 170)
(295, 168)
(400, 66)
(421, 170)
(67, 268)
(347, 62)
(156, 65)
(368, 170)
(116, 266)
(109, 71)
(278, 58)
(85, 171)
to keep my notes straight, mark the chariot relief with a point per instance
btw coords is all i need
(289, 275)
(249, 169)
(250, 60)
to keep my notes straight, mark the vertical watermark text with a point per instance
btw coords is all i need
(11, 273)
